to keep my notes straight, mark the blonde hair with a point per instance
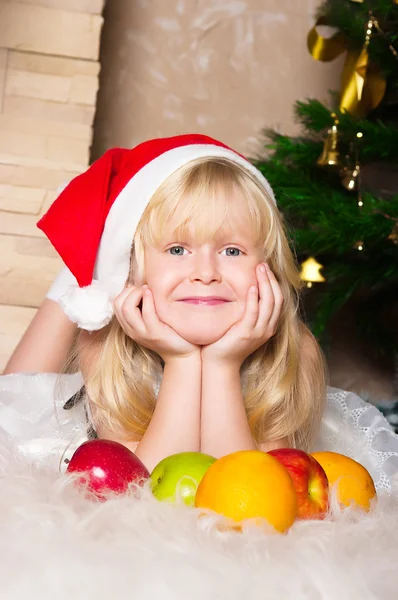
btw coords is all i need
(283, 382)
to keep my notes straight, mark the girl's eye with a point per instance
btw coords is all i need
(177, 250)
(232, 251)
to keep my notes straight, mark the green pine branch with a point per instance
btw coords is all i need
(379, 141)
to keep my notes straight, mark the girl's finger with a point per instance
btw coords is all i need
(129, 313)
(250, 315)
(118, 304)
(131, 303)
(273, 322)
(267, 299)
(149, 315)
(118, 301)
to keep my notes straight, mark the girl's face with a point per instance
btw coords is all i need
(200, 289)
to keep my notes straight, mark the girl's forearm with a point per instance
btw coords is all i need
(45, 345)
(224, 426)
(175, 425)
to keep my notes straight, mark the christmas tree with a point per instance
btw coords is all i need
(337, 184)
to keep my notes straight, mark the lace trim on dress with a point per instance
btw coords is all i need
(358, 429)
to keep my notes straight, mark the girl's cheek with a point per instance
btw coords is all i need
(139, 280)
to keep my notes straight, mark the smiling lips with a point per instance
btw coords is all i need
(205, 300)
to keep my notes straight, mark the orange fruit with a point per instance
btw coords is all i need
(354, 483)
(249, 484)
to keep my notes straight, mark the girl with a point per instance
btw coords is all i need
(187, 303)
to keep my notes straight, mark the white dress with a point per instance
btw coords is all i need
(34, 425)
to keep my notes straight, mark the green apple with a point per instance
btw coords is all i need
(176, 477)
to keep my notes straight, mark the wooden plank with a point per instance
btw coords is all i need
(22, 224)
(36, 108)
(51, 65)
(48, 200)
(37, 177)
(41, 163)
(3, 64)
(37, 85)
(83, 90)
(78, 89)
(24, 144)
(68, 150)
(21, 199)
(77, 131)
(27, 268)
(49, 30)
(19, 143)
(19, 224)
(14, 322)
(94, 7)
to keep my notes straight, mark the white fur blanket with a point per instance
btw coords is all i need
(57, 545)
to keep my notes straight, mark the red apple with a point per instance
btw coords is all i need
(309, 479)
(107, 466)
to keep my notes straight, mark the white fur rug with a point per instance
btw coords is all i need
(55, 544)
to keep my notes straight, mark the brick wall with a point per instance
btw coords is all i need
(48, 84)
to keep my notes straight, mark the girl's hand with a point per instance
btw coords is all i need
(144, 326)
(256, 327)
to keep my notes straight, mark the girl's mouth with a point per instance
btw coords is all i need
(205, 300)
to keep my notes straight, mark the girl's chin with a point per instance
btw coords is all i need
(201, 338)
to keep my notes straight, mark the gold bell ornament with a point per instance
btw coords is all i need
(310, 272)
(330, 156)
(350, 179)
(393, 237)
(359, 245)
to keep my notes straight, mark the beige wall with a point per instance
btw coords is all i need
(227, 68)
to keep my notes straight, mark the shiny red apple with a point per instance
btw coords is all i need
(107, 466)
(309, 480)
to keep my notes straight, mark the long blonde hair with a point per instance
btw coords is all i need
(283, 382)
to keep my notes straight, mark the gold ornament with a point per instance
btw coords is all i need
(351, 178)
(362, 85)
(330, 156)
(359, 245)
(393, 237)
(310, 272)
(325, 49)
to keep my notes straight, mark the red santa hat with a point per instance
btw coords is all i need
(92, 222)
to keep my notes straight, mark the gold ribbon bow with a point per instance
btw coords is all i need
(362, 83)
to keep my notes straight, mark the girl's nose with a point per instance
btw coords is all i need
(205, 268)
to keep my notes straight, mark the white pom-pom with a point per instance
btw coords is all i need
(90, 307)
